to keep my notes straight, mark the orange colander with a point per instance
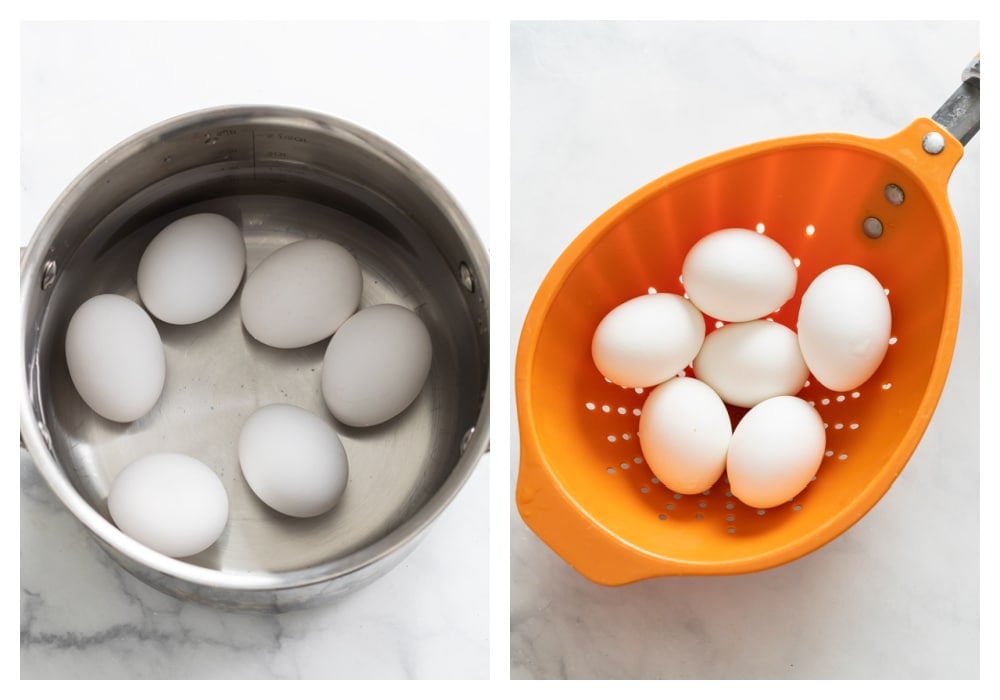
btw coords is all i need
(829, 199)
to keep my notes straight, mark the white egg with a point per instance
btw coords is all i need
(376, 365)
(684, 433)
(293, 460)
(751, 361)
(738, 275)
(301, 293)
(647, 340)
(115, 357)
(192, 268)
(169, 502)
(844, 326)
(776, 450)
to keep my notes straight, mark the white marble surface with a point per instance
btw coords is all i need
(599, 110)
(86, 87)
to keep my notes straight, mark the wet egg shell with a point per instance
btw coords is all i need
(115, 357)
(375, 365)
(169, 502)
(684, 433)
(738, 275)
(647, 340)
(844, 325)
(776, 450)
(192, 268)
(751, 361)
(293, 460)
(301, 293)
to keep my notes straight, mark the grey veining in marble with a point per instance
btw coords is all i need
(600, 109)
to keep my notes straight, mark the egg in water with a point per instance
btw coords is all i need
(115, 357)
(376, 365)
(301, 293)
(293, 460)
(169, 502)
(192, 268)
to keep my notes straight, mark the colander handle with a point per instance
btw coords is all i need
(960, 112)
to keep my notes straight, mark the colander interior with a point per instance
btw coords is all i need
(812, 199)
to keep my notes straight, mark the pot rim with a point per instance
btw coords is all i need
(36, 442)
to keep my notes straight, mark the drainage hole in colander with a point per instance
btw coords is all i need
(702, 504)
(731, 530)
(622, 410)
(855, 394)
(720, 324)
(662, 516)
(796, 262)
(838, 426)
(677, 497)
(699, 516)
(706, 492)
(829, 453)
(812, 403)
(611, 438)
(606, 408)
(840, 399)
(806, 384)
(607, 380)
(590, 405)
(611, 470)
(761, 512)
(644, 489)
(637, 460)
(626, 436)
(810, 230)
(624, 466)
(636, 412)
(886, 386)
(761, 228)
(730, 518)
(639, 390)
(651, 290)
(654, 480)
(730, 506)
(892, 341)
(670, 506)
(843, 456)
(854, 426)
(825, 426)
(797, 506)
(729, 494)
(825, 401)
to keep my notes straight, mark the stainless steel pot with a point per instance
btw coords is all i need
(284, 174)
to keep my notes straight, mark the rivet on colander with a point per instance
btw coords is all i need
(48, 274)
(895, 194)
(872, 227)
(933, 143)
